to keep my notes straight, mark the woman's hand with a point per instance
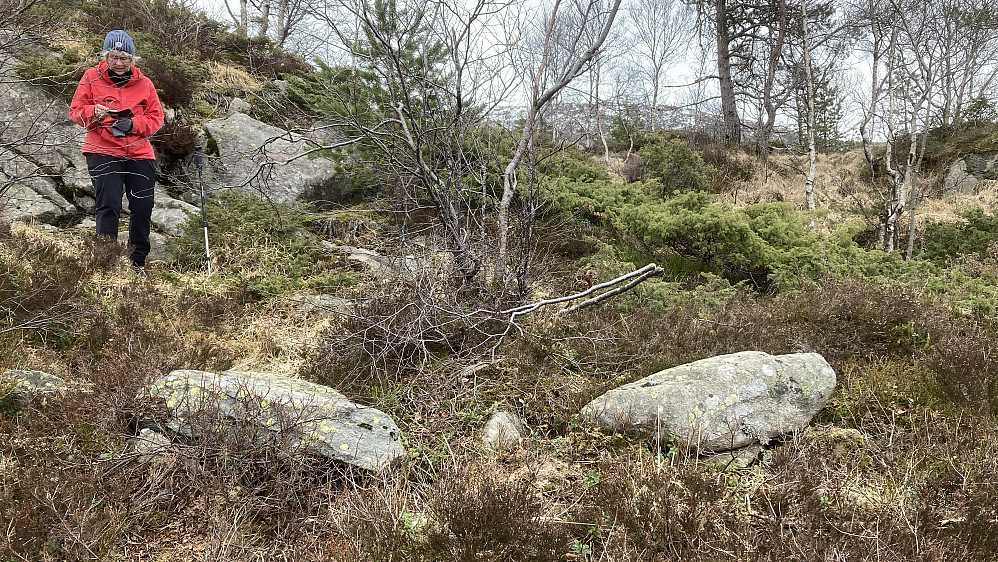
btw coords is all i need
(100, 112)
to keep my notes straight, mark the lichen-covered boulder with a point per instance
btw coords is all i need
(25, 386)
(720, 403)
(303, 417)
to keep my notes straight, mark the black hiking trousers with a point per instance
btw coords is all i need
(114, 177)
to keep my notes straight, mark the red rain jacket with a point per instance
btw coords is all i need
(138, 94)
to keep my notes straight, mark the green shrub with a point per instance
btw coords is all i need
(944, 241)
(171, 25)
(58, 74)
(626, 132)
(673, 164)
(572, 164)
(261, 56)
(176, 78)
(260, 244)
(764, 243)
(333, 91)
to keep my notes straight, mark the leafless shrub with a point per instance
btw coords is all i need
(381, 522)
(40, 278)
(480, 514)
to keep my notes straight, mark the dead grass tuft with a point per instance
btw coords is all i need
(224, 76)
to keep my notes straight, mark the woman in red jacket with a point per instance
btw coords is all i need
(120, 110)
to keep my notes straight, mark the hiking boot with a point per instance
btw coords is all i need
(139, 270)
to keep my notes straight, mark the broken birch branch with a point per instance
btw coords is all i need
(637, 275)
(608, 294)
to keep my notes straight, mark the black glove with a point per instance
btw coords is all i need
(121, 126)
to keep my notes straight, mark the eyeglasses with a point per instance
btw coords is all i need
(117, 58)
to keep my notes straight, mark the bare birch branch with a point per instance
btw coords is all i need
(603, 296)
(642, 274)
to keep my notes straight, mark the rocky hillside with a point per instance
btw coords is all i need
(696, 374)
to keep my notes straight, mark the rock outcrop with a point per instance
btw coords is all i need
(264, 160)
(720, 403)
(43, 144)
(965, 174)
(30, 195)
(300, 416)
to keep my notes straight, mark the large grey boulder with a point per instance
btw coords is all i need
(720, 403)
(301, 416)
(264, 160)
(31, 385)
(37, 126)
(239, 105)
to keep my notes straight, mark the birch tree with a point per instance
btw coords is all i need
(661, 37)
(967, 34)
(904, 49)
(574, 28)
(812, 148)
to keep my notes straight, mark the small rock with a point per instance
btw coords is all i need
(736, 458)
(326, 306)
(157, 246)
(381, 266)
(169, 215)
(503, 431)
(239, 105)
(86, 204)
(150, 445)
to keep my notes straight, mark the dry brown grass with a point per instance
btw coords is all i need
(224, 76)
(841, 189)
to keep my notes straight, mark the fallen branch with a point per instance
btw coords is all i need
(603, 296)
(638, 276)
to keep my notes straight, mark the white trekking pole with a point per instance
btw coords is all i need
(204, 211)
